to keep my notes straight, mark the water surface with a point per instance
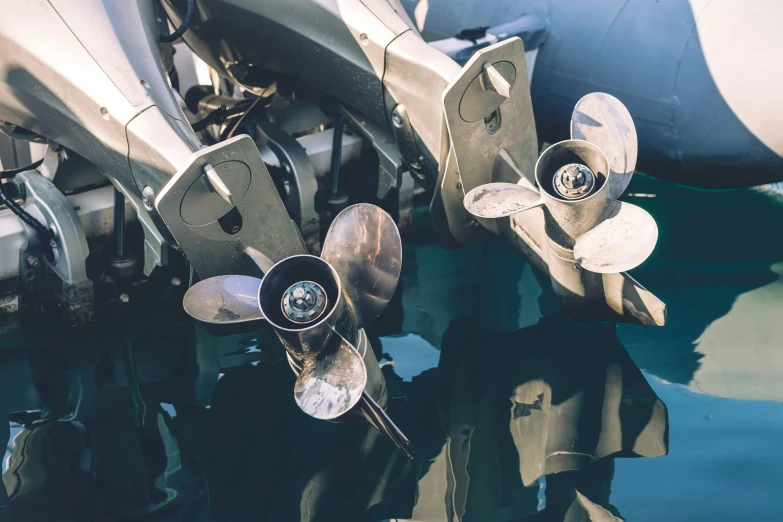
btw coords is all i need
(516, 412)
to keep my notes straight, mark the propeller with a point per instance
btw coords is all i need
(578, 183)
(318, 306)
(604, 121)
(224, 300)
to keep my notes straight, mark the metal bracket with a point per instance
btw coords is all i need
(218, 238)
(405, 137)
(61, 278)
(156, 248)
(390, 168)
(481, 122)
(301, 181)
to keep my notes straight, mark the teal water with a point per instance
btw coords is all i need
(516, 413)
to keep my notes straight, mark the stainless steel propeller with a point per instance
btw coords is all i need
(578, 183)
(224, 300)
(604, 121)
(318, 306)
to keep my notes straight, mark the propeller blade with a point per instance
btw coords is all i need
(622, 241)
(331, 383)
(604, 121)
(364, 247)
(223, 300)
(383, 423)
(496, 200)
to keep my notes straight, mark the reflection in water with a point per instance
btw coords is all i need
(554, 400)
(515, 412)
(500, 417)
(719, 272)
(741, 351)
(498, 413)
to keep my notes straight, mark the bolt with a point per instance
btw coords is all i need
(396, 118)
(235, 229)
(574, 181)
(304, 301)
(124, 298)
(148, 197)
(176, 281)
(33, 261)
(574, 178)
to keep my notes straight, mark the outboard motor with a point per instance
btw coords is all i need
(90, 76)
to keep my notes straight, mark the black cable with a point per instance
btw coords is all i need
(168, 38)
(10, 173)
(213, 117)
(43, 234)
(211, 102)
(240, 120)
(218, 116)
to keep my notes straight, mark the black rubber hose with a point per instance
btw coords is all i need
(206, 121)
(214, 102)
(220, 112)
(168, 38)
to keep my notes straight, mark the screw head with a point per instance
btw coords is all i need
(304, 301)
(148, 197)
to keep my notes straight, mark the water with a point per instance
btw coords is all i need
(516, 413)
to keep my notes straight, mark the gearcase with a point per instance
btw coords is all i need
(561, 209)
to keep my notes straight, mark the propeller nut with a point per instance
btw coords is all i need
(304, 301)
(574, 181)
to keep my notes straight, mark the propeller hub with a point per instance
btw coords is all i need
(304, 302)
(574, 181)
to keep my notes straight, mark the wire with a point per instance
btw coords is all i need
(43, 234)
(168, 38)
(219, 115)
(242, 118)
(10, 173)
